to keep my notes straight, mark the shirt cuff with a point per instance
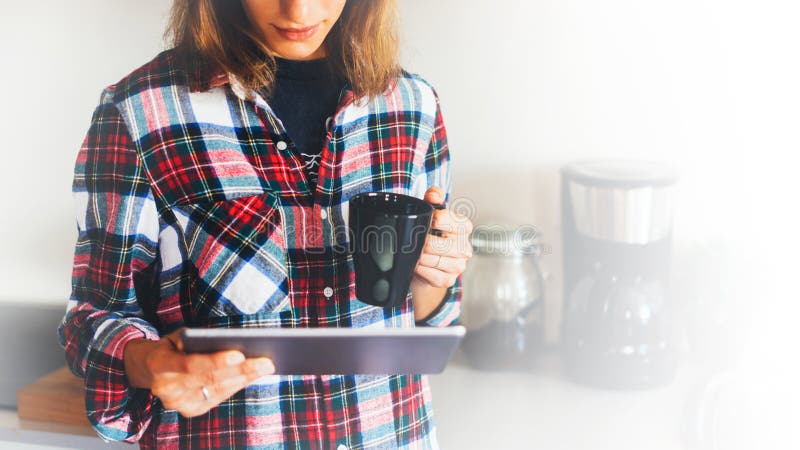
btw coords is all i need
(448, 310)
(116, 410)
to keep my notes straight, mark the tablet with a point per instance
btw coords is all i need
(318, 351)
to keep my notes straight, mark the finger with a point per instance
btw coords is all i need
(224, 387)
(214, 361)
(171, 361)
(250, 371)
(456, 247)
(443, 263)
(221, 385)
(177, 388)
(436, 277)
(434, 194)
(200, 363)
(252, 368)
(450, 222)
(194, 402)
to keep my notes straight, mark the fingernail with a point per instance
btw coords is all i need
(264, 366)
(235, 358)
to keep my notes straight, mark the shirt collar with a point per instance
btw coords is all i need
(204, 80)
(201, 81)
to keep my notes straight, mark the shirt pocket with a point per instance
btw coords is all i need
(238, 249)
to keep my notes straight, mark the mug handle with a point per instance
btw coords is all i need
(435, 232)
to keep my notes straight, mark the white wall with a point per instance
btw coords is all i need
(708, 85)
(57, 57)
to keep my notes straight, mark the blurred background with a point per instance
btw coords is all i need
(640, 156)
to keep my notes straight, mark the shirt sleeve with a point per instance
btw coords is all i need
(117, 241)
(437, 170)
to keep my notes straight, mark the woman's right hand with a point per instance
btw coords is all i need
(177, 378)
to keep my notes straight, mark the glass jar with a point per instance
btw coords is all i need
(502, 304)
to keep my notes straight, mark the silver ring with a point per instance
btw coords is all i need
(205, 392)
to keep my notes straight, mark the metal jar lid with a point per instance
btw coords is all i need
(503, 241)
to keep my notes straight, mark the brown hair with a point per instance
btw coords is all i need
(217, 34)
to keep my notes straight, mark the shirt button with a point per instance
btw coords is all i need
(281, 145)
(327, 292)
(323, 213)
(341, 447)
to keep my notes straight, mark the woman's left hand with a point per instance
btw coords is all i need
(444, 257)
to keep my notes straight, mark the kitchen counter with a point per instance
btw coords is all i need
(498, 410)
(30, 435)
(541, 410)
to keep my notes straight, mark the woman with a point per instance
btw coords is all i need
(212, 190)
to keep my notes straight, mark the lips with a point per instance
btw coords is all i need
(297, 34)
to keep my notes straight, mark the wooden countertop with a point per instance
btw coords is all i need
(55, 398)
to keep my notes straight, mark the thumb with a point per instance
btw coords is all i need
(434, 194)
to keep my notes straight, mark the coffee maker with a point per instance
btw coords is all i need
(617, 235)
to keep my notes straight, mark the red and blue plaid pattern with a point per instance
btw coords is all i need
(193, 210)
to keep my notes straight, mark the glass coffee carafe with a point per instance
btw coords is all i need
(616, 228)
(502, 306)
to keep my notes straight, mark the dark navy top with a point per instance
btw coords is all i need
(305, 95)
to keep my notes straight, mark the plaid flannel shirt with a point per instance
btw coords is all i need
(193, 210)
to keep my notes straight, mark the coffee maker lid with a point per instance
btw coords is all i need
(620, 173)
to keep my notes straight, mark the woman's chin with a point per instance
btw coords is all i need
(299, 51)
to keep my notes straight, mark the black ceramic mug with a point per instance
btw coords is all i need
(387, 233)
